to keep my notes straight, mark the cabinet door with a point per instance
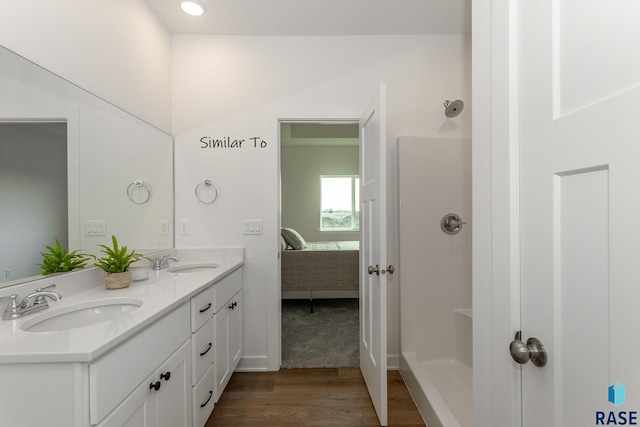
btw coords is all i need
(221, 363)
(235, 331)
(137, 410)
(173, 407)
(228, 338)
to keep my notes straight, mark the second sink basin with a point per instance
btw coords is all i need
(81, 314)
(192, 268)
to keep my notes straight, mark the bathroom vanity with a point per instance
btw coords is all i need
(163, 361)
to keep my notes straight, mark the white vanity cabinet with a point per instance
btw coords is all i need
(160, 401)
(216, 324)
(153, 367)
(147, 380)
(112, 390)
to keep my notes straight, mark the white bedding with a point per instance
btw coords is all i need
(332, 246)
(319, 268)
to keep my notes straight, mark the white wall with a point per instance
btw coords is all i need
(301, 168)
(239, 87)
(115, 49)
(435, 267)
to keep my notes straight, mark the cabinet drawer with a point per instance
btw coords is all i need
(114, 376)
(227, 288)
(204, 398)
(203, 351)
(201, 308)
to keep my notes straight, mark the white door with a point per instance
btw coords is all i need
(578, 102)
(373, 243)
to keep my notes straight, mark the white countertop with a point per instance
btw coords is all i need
(161, 293)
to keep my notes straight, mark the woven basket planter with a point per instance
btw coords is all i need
(117, 280)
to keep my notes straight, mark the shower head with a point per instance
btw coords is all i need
(453, 108)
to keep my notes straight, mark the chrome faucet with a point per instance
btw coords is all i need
(163, 262)
(32, 303)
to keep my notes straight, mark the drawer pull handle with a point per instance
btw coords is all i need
(207, 350)
(208, 399)
(165, 376)
(206, 308)
(233, 305)
(155, 386)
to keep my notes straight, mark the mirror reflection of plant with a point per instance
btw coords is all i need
(116, 259)
(58, 260)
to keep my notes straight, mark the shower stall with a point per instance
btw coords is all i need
(435, 277)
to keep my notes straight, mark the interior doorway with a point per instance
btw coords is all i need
(319, 217)
(34, 193)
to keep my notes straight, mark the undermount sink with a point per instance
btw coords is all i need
(81, 314)
(192, 268)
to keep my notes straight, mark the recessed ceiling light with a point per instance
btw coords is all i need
(193, 7)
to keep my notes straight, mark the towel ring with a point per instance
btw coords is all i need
(206, 187)
(144, 190)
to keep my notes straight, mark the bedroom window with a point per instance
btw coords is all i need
(339, 203)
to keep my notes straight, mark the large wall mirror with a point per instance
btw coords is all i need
(75, 168)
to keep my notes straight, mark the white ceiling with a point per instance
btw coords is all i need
(319, 17)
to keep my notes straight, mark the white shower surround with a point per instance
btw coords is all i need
(435, 280)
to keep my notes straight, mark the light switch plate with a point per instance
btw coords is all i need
(184, 227)
(95, 227)
(252, 226)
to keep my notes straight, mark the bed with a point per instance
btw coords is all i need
(318, 269)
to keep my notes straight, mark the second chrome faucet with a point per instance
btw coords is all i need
(163, 262)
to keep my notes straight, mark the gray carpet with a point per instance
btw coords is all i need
(326, 338)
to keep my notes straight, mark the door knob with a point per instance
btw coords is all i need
(373, 269)
(533, 350)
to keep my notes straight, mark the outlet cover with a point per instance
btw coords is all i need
(164, 227)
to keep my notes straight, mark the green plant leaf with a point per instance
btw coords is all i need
(116, 259)
(58, 260)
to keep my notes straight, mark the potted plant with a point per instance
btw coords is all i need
(115, 263)
(58, 260)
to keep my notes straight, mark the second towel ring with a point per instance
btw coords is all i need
(206, 192)
(140, 187)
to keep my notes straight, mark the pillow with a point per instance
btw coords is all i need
(294, 239)
(283, 244)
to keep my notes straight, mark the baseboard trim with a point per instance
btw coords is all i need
(393, 363)
(261, 363)
(253, 364)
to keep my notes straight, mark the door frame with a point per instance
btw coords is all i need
(496, 269)
(273, 119)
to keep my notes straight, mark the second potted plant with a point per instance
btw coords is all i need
(115, 263)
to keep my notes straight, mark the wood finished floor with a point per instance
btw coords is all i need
(334, 397)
